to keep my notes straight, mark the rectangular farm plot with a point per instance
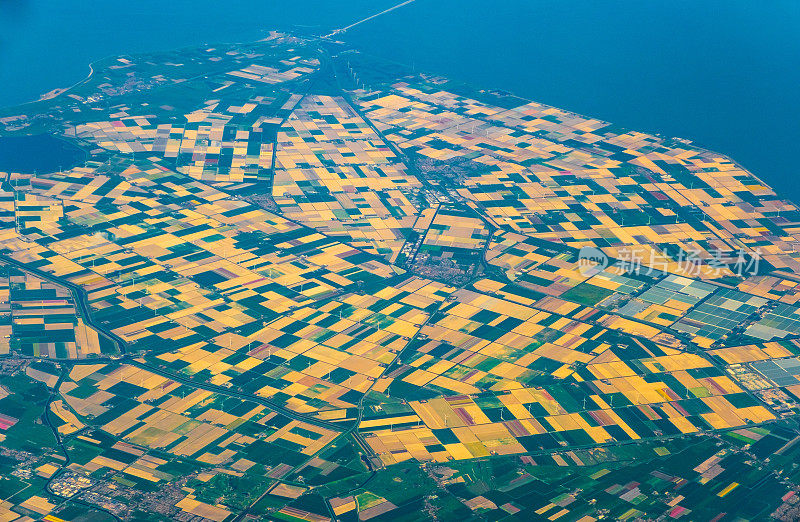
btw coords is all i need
(452, 246)
(782, 372)
(156, 412)
(45, 321)
(780, 322)
(537, 419)
(368, 206)
(325, 131)
(605, 287)
(715, 317)
(318, 358)
(220, 264)
(667, 300)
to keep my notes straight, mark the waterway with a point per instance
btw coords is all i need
(721, 72)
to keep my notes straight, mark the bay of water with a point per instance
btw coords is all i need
(721, 72)
(38, 153)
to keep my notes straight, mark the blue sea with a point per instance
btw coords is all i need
(723, 73)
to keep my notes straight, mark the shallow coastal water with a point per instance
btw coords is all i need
(723, 73)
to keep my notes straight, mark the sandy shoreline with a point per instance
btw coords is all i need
(58, 91)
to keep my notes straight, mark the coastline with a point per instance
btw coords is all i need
(689, 142)
(55, 93)
(58, 91)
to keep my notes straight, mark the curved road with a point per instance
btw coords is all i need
(83, 309)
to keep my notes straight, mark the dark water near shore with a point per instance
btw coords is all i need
(724, 73)
(40, 153)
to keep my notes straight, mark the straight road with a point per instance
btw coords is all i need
(343, 29)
